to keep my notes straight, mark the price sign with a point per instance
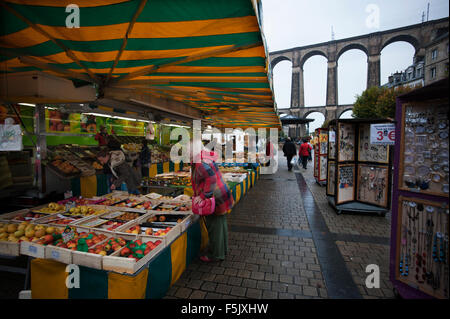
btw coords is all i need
(332, 136)
(382, 134)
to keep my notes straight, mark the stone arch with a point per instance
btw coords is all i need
(323, 111)
(402, 38)
(277, 60)
(343, 111)
(311, 54)
(352, 46)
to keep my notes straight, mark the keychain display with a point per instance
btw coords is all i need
(370, 152)
(424, 161)
(320, 156)
(331, 179)
(346, 183)
(331, 142)
(422, 246)
(346, 142)
(373, 184)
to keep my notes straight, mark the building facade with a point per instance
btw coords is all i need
(412, 76)
(436, 57)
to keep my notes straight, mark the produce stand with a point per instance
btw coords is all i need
(420, 217)
(320, 156)
(359, 173)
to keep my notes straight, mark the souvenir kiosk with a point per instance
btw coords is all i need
(359, 173)
(420, 214)
(320, 156)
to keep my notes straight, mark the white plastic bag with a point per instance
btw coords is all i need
(294, 160)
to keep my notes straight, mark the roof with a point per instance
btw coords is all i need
(209, 55)
(292, 119)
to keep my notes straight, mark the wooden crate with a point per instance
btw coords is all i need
(89, 259)
(127, 265)
(9, 248)
(9, 216)
(60, 254)
(32, 249)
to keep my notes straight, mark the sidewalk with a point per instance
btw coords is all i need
(286, 242)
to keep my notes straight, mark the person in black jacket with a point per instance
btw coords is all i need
(289, 151)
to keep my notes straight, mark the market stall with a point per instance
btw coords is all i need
(420, 217)
(359, 168)
(320, 156)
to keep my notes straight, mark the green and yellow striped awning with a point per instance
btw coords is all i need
(209, 55)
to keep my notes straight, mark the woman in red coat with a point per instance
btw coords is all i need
(304, 153)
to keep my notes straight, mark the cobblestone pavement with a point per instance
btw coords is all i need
(273, 250)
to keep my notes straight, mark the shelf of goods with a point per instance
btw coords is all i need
(358, 172)
(121, 251)
(320, 156)
(99, 184)
(419, 252)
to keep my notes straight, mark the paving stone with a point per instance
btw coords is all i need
(223, 289)
(221, 279)
(235, 281)
(243, 273)
(283, 295)
(271, 277)
(238, 291)
(183, 293)
(264, 285)
(295, 289)
(310, 291)
(254, 293)
(279, 287)
(197, 294)
(249, 283)
(286, 279)
(257, 275)
(212, 295)
(209, 286)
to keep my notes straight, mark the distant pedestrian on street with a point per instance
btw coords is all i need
(305, 152)
(289, 151)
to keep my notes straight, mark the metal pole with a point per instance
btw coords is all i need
(41, 145)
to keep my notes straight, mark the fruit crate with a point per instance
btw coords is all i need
(22, 215)
(38, 209)
(9, 248)
(120, 264)
(98, 223)
(32, 249)
(89, 259)
(177, 228)
(63, 255)
(51, 220)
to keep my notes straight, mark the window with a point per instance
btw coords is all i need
(434, 54)
(433, 73)
(419, 72)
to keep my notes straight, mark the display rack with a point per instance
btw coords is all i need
(358, 172)
(419, 230)
(320, 156)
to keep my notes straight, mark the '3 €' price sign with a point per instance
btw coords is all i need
(382, 133)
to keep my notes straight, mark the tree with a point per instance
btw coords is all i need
(379, 102)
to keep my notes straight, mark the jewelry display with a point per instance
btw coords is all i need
(371, 152)
(372, 184)
(320, 155)
(424, 160)
(346, 142)
(331, 179)
(346, 182)
(423, 246)
(331, 142)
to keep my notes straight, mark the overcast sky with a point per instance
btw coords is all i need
(293, 23)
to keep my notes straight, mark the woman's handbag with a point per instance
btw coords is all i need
(203, 206)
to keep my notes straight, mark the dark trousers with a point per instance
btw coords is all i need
(289, 159)
(304, 161)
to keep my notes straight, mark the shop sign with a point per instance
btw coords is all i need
(382, 134)
(10, 137)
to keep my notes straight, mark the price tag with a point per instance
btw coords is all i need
(55, 254)
(67, 235)
(32, 249)
(382, 134)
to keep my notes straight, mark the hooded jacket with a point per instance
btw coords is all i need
(122, 171)
(207, 181)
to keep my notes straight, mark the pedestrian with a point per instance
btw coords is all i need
(207, 182)
(305, 152)
(145, 158)
(102, 136)
(289, 151)
(310, 152)
(122, 172)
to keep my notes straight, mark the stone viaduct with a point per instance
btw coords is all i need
(418, 35)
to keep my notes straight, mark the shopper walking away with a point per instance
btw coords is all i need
(310, 151)
(145, 159)
(304, 152)
(122, 172)
(289, 151)
(207, 182)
